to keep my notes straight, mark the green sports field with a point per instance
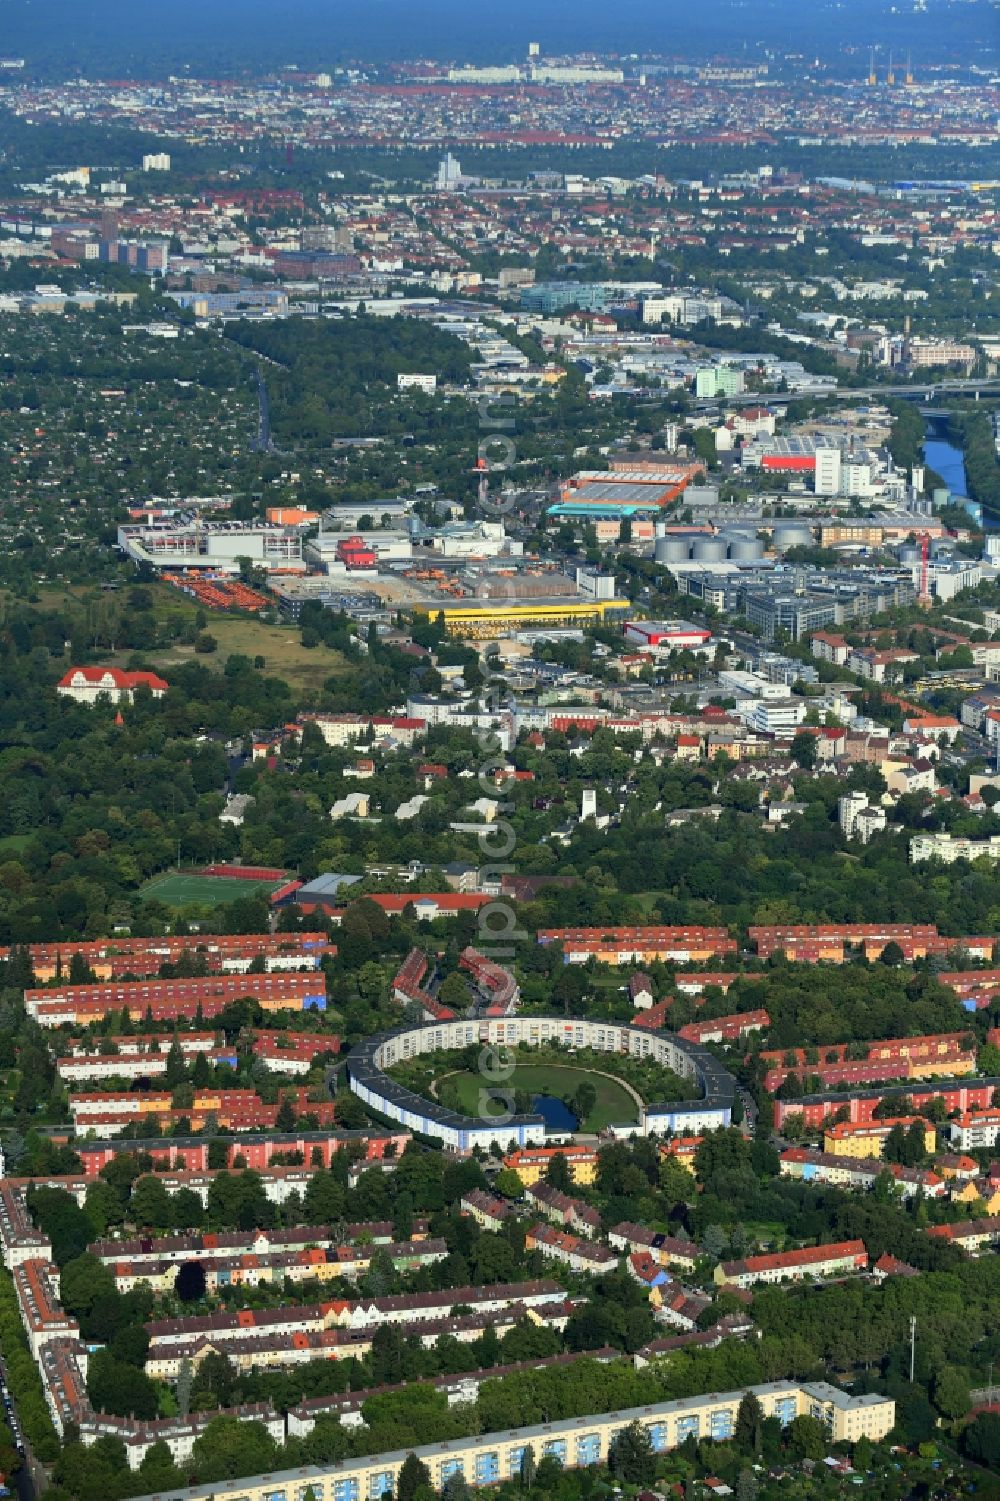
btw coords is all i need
(177, 889)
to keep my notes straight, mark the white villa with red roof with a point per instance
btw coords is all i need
(86, 684)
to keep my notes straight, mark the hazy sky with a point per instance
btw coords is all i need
(231, 34)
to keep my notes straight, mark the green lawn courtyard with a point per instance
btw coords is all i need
(614, 1104)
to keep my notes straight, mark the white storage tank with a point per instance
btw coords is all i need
(709, 549)
(745, 548)
(790, 534)
(672, 550)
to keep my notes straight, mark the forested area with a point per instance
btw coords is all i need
(332, 379)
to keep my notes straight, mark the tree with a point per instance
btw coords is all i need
(529, 1468)
(285, 1119)
(454, 992)
(951, 1392)
(229, 1447)
(913, 1146)
(218, 1153)
(676, 1181)
(189, 1284)
(749, 1432)
(175, 1072)
(631, 1456)
(804, 750)
(121, 1389)
(557, 1173)
(981, 1440)
(150, 1203)
(402, 1218)
(715, 1241)
(746, 1486)
(183, 1388)
(894, 1148)
(862, 1456)
(66, 1225)
(82, 1281)
(103, 1206)
(892, 955)
(988, 1066)
(584, 1100)
(324, 1198)
(807, 1438)
(413, 1476)
(456, 1487)
(158, 1471)
(509, 1183)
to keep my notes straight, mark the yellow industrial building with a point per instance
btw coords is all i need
(490, 1458)
(486, 622)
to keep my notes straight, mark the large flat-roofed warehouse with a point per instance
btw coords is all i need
(214, 545)
(624, 491)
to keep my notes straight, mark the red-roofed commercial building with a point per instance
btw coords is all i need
(255, 1152)
(427, 905)
(696, 984)
(975, 1128)
(726, 1028)
(170, 1000)
(812, 1166)
(292, 1052)
(110, 1111)
(110, 958)
(641, 945)
(666, 635)
(654, 1017)
(641, 991)
(684, 1148)
(86, 684)
(813, 942)
(966, 1094)
(782, 1266)
(971, 1235)
(942, 1053)
(408, 988)
(495, 982)
(970, 984)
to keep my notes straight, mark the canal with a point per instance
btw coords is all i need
(943, 457)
